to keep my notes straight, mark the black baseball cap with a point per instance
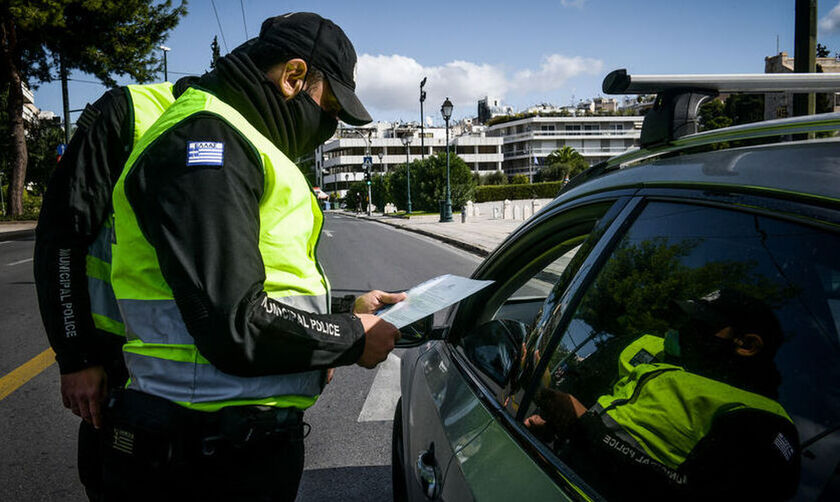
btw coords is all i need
(323, 45)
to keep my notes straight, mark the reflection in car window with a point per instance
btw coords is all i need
(703, 360)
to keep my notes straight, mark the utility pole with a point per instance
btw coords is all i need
(422, 142)
(804, 52)
(65, 96)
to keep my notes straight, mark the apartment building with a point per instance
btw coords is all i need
(780, 104)
(528, 141)
(339, 161)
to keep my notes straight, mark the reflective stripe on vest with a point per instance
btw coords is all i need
(146, 104)
(665, 410)
(161, 355)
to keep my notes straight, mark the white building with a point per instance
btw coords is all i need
(30, 111)
(343, 155)
(528, 141)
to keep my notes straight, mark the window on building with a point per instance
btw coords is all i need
(572, 128)
(488, 149)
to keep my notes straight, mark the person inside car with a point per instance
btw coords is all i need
(692, 415)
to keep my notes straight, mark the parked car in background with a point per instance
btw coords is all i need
(667, 328)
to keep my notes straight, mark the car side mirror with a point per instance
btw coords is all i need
(418, 333)
(495, 348)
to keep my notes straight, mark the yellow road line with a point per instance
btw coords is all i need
(26, 372)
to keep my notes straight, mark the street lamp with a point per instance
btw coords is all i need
(406, 141)
(165, 49)
(422, 98)
(366, 165)
(446, 211)
(380, 155)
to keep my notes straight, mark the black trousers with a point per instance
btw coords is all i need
(156, 450)
(89, 448)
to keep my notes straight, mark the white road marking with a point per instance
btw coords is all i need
(18, 262)
(5, 242)
(384, 392)
(328, 233)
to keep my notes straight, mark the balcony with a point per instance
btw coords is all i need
(605, 133)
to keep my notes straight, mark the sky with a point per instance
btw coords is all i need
(522, 52)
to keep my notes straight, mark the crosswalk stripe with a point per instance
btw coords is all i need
(384, 392)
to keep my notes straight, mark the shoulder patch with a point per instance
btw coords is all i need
(205, 153)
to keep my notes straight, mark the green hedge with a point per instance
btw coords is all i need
(547, 190)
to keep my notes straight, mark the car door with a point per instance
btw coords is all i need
(456, 388)
(680, 249)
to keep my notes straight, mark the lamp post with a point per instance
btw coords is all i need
(368, 166)
(422, 98)
(380, 155)
(406, 141)
(446, 211)
(165, 49)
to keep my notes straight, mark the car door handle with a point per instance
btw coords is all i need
(427, 472)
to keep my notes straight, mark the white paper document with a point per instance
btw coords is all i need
(427, 298)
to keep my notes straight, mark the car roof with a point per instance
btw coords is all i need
(808, 168)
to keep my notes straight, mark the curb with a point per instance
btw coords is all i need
(483, 253)
(16, 234)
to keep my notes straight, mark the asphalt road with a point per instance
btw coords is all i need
(348, 450)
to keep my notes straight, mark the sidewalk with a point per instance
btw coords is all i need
(15, 229)
(479, 236)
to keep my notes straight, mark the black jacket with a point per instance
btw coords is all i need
(204, 225)
(77, 202)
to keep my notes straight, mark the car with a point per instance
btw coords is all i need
(667, 328)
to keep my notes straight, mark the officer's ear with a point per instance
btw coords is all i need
(289, 77)
(748, 344)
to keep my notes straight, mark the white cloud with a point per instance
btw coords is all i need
(578, 4)
(831, 22)
(554, 71)
(390, 84)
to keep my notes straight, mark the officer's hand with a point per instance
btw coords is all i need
(380, 337)
(330, 374)
(374, 300)
(84, 391)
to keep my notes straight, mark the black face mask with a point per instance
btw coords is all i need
(312, 125)
(715, 358)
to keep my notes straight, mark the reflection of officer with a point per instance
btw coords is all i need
(703, 427)
(73, 256)
(226, 308)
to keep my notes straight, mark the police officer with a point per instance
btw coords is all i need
(692, 416)
(227, 310)
(73, 256)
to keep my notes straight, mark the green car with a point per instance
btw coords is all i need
(668, 328)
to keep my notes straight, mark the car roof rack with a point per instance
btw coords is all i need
(678, 97)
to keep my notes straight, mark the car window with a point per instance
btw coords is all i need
(703, 359)
(492, 329)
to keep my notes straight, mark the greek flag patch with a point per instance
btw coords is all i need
(205, 153)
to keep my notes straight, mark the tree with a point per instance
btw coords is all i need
(428, 183)
(101, 38)
(42, 139)
(398, 185)
(822, 51)
(380, 190)
(519, 179)
(214, 52)
(494, 178)
(356, 195)
(738, 109)
(713, 115)
(562, 164)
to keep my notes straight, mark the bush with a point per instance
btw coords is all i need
(489, 193)
(519, 179)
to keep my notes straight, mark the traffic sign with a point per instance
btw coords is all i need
(367, 162)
